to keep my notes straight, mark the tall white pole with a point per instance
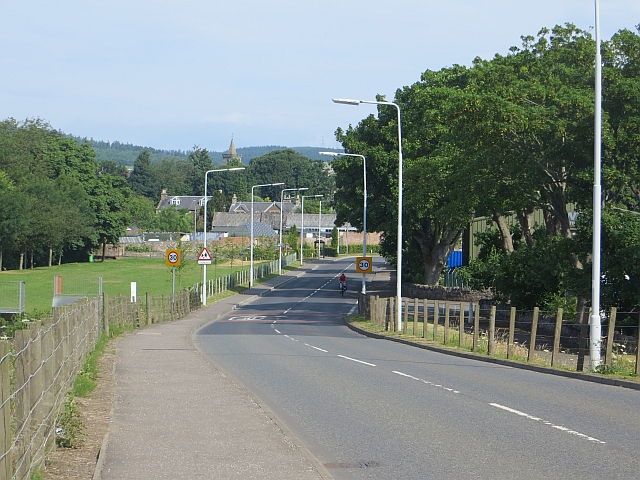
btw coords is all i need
(596, 329)
(251, 229)
(281, 216)
(364, 210)
(203, 299)
(364, 224)
(302, 235)
(319, 225)
(399, 254)
(251, 247)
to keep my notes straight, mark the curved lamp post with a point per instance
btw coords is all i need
(206, 199)
(347, 101)
(595, 329)
(302, 228)
(364, 212)
(251, 255)
(281, 210)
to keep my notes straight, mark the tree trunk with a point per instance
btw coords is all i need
(60, 258)
(21, 260)
(526, 223)
(104, 248)
(507, 241)
(0, 259)
(436, 243)
(31, 260)
(50, 255)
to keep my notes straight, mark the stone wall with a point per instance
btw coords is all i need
(452, 294)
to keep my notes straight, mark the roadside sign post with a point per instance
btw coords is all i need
(364, 265)
(172, 259)
(204, 259)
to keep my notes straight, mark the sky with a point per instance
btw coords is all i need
(174, 74)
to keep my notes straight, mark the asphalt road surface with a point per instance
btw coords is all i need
(370, 408)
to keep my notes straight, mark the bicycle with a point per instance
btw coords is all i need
(343, 288)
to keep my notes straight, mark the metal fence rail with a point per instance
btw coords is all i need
(12, 296)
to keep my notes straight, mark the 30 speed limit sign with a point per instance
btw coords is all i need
(173, 258)
(364, 265)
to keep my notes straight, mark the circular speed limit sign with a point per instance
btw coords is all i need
(363, 265)
(173, 258)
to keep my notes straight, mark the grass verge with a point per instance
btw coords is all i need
(622, 366)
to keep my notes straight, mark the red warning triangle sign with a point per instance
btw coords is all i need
(204, 255)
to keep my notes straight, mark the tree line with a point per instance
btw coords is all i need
(58, 202)
(505, 136)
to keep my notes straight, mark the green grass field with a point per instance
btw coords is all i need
(151, 274)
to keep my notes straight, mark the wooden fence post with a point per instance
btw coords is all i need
(556, 338)
(415, 317)
(512, 327)
(461, 327)
(534, 330)
(638, 349)
(394, 315)
(6, 469)
(610, 334)
(447, 308)
(436, 319)
(36, 389)
(476, 328)
(492, 330)
(22, 371)
(425, 317)
(105, 313)
(405, 301)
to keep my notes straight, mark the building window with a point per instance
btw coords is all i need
(175, 201)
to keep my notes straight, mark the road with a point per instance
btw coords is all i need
(370, 408)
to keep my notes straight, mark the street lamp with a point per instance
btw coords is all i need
(364, 214)
(251, 255)
(595, 333)
(347, 101)
(206, 199)
(281, 210)
(319, 225)
(302, 228)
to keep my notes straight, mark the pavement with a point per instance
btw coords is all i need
(177, 416)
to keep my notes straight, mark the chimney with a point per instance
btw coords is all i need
(234, 199)
(297, 200)
(163, 195)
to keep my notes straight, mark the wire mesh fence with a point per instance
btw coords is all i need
(12, 297)
(38, 367)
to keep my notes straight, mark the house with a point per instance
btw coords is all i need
(192, 203)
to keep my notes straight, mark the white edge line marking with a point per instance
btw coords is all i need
(558, 427)
(277, 331)
(359, 361)
(353, 309)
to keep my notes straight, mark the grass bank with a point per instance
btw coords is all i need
(151, 274)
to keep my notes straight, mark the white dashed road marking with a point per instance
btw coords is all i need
(426, 382)
(545, 422)
(359, 361)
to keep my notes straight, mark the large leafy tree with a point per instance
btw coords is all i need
(142, 179)
(109, 199)
(199, 162)
(439, 194)
(294, 170)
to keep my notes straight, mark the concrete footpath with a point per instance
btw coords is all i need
(178, 417)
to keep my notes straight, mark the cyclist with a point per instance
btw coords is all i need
(343, 281)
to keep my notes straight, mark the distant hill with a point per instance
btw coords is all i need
(126, 153)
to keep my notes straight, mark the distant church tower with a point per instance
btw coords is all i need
(231, 153)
